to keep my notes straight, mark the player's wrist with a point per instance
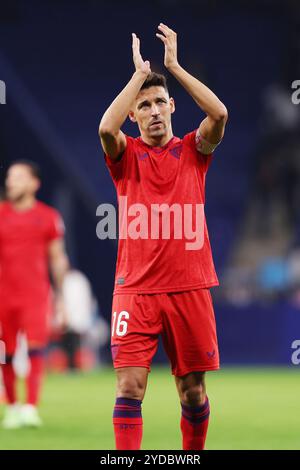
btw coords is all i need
(141, 74)
(173, 66)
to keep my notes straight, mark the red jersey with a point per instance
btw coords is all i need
(24, 240)
(170, 178)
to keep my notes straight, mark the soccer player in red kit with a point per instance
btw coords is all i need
(31, 241)
(162, 283)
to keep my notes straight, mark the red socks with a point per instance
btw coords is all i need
(35, 375)
(9, 381)
(33, 380)
(128, 424)
(194, 424)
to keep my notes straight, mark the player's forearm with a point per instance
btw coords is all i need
(59, 268)
(115, 116)
(204, 97)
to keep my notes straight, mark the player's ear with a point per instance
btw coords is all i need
(172, 105)
(132, 116)
(36, 184)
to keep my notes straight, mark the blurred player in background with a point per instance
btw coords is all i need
(161, 287)
(78, 305)
(31, 242)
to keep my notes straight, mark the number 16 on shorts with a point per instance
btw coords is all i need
(120, 323)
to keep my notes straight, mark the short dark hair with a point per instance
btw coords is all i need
(32, 166)
(155, 79)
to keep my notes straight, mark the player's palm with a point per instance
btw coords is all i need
(169, 38)
(140, 64)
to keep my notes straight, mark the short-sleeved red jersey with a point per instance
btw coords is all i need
(172, 176)
(24, 241)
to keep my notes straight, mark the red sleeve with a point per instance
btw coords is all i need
(117, 168)
(205, 160)
(56, 228)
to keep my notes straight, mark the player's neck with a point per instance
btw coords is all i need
(24, 204)
(159, 141)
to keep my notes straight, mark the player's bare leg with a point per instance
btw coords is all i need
(191, 388)
(132, 382)
(127, 417)
(195, 410)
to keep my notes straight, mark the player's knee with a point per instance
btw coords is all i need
(131, 387)
(194, 396)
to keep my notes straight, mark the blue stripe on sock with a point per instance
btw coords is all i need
(196, 414)
(128, 402)
(134, 409)
(195, 419)
(196, 409)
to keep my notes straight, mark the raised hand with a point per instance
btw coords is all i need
(139, 63)
(169, 38)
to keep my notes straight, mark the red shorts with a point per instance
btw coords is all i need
(33, 320)
(185, 320)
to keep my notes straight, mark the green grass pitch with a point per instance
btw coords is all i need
(250, 409)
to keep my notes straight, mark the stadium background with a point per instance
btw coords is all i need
(63, 62)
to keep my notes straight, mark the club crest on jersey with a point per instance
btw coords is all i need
(143, 156)
(176, 151)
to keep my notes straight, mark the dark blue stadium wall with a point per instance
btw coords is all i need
(70, 59)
